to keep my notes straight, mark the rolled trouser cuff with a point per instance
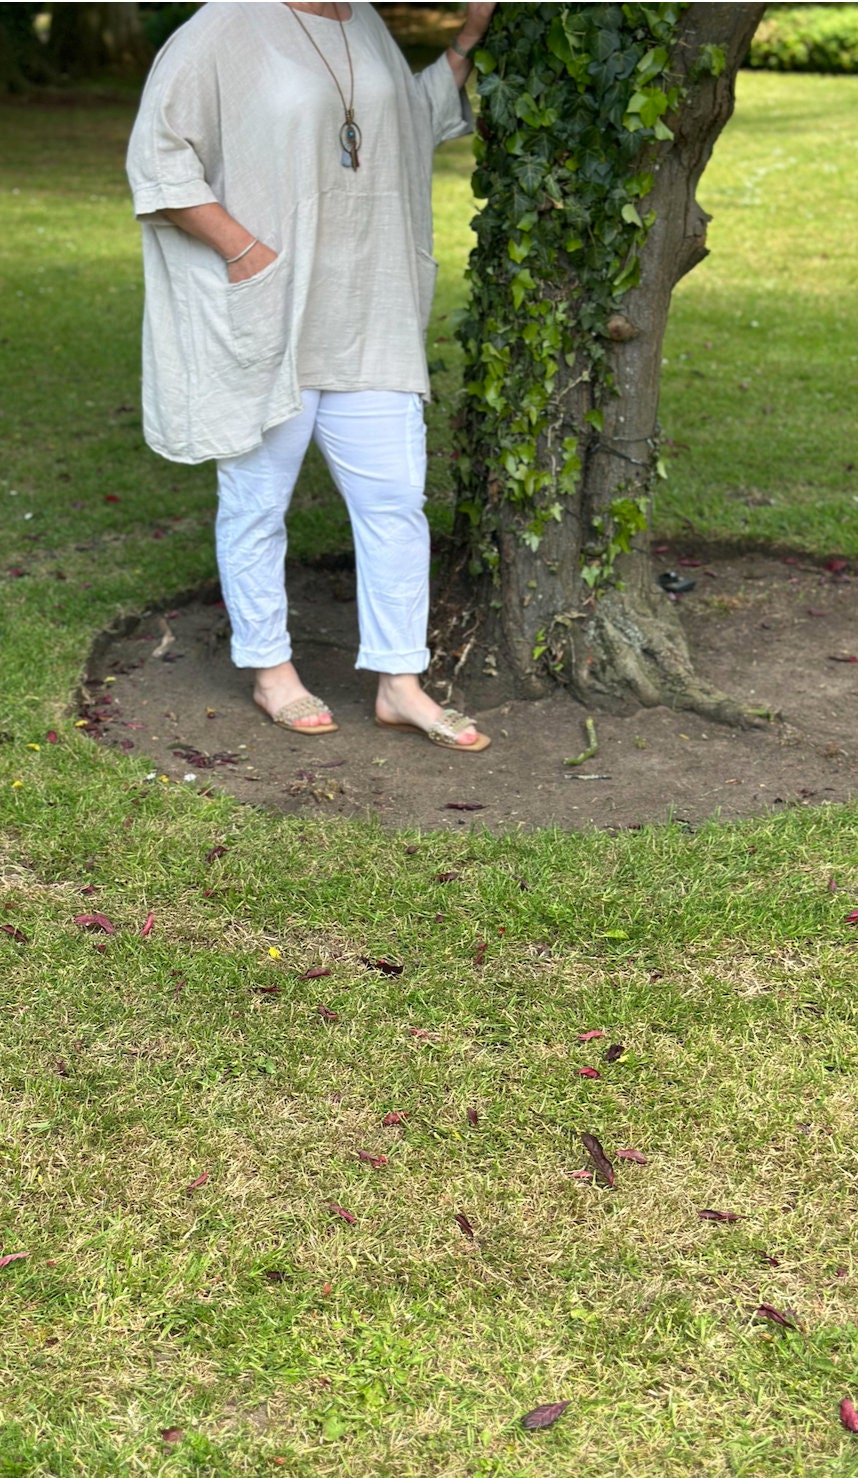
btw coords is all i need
(393, 663)
(271, 654)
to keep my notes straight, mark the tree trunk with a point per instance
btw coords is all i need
(91, 38)
(578, 602)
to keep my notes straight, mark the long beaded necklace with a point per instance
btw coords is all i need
(350, 135)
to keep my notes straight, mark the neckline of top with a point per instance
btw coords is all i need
(311, 15)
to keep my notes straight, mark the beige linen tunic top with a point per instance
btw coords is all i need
(240, 109)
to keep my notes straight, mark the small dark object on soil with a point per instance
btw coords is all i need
(675, 584)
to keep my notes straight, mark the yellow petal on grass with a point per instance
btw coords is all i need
(275, 953)
(16, 784)
(81, 723)
(110, 680)
(37, 747)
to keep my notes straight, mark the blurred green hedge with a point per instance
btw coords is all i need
(807, 38)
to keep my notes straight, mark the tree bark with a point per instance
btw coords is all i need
(622, 647)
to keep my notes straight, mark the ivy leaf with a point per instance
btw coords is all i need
(629, 276)
(529, 173)
(484, 61)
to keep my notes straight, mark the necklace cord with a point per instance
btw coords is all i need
(348, 108)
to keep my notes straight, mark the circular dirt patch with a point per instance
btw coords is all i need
(779, 634)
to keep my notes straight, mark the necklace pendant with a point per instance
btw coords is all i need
(350, 142)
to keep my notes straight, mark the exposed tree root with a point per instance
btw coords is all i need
(630, 655)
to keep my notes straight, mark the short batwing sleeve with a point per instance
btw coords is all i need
(176, 136)
(449, 109)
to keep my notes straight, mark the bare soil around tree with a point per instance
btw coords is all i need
(780, 634)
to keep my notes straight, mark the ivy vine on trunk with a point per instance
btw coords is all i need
(596, 122)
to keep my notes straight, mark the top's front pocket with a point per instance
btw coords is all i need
(258, 311)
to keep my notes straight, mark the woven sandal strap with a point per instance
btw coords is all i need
(452, 724)
(308, 707)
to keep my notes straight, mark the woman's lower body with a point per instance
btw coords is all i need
(373, 442)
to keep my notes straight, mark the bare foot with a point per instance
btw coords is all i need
(401, 700)
(277, 686)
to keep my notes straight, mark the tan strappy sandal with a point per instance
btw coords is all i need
(289, 715)
(444, 731)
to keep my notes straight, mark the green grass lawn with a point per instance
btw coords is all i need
(240, 1314)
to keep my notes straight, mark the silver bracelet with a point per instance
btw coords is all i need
(229, 260)
(460, 50)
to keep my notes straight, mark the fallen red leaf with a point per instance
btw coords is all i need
(765, 1311)
(179, 987)
(836, 565)
(386, 967)
(216, 852)
(200, 1180)
(275, 1275)
(169, 1434)
(766, 1257)
(61, 1068)
(447, 877)
(327, 1290)
(114, 498)
(396, 1116)
(589, 1036)
(473, 1117)
(341, 1211)
(588, 1072)
(598, 1156)
(422, 1034)
(479, 957)
(848, 1415)
(689, 564)
(314, 974)
(16, 934)
(376, 1161)
(326, 1014)
(634, 1155)
(464, 1225)
(656, 975)
(543, 1416)
(148, 926)
(709, 1215)
(94, 921)
(582, 1175)
(266, 990)
(614, 1052)
(51, 736)
(841, 657)
(832, 885)
(852, 918)
(87, 890)
(11, 1257)
(814, 611)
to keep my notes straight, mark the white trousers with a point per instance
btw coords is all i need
(374, 442)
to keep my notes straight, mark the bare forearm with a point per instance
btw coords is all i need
(468, 39)
(212, 225)
(215, 227)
